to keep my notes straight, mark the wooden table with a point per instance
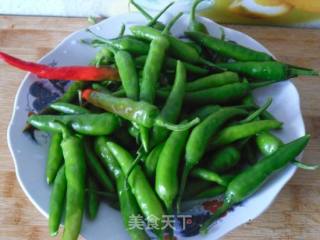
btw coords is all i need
(294, 215)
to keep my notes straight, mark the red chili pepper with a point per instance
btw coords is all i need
(83, 73)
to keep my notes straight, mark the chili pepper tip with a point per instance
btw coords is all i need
(86, 93)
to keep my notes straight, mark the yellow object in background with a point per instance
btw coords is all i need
(269, 12)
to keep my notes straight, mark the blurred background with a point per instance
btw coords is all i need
(302, 13)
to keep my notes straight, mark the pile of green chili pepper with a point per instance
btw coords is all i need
(176, 125)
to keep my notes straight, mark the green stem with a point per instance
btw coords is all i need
(220, 211)
(258, 112)
(305, 166)
(156, 18)
(134, 164)
(122, 30)
(141, 10)
(176, 127)
(255, 85)
(171, 23)
(66, 132)
(210, 64)
(193, 9)
(295, 71)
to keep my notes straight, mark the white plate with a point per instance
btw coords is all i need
(30, 157)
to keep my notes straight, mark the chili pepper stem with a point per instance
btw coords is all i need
(134, 164)
(176, 127)
(305, 166)
(156, 18)
(66, 132)
(258, 112)
(141, 10)
(210, 64)
(204, 228)
(171, 23)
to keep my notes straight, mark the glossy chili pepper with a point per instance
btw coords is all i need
(208, 175)
(57, 199)
(142, 113)
(128, 74)
(152, 68)
(96, 168)
(125, 43)
(224, 159)
(81, 73)
(172, 107)
(241, 131)
(228, 49)
(93, 201)
(218, 95)
(68, 108)
(268, 143)
(170, 64)
(151, 161)
(88, 124)
(267, 71)
(75, 172)
(156, 25)
(213, 80)
(199, 139)
(166, 183)
(248, 181)
(178, 48)
(55, 157)
(146, 198)
(195, 25)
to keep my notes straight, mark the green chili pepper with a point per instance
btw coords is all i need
(93, 201)
(68, 108)
(57, 199)
(218, 95)
(146, 198)
(55, 157)
(268, 143)
(142, 113)
(178, 48)
(267, 71)
(166, 183)
(96, 168)
(228, 49)
(213, 80)
(224, 159)
(199, 139)
(125, 43)
(195, 25)
(103, 57)
(172, 107)
(247, 182)
(241, 131)
(151, 161)
(208, 175)
(128, 74)
(88, 124)
(75, 172)
(170, 64)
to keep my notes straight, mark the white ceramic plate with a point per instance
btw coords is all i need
(30, 157)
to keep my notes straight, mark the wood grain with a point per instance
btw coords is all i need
(294, 215)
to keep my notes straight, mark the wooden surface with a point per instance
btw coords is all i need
(295, 214)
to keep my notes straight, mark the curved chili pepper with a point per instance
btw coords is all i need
(228, 49)
(142, 113)
(149, 203)
(247, 182)
(80, 73)
(68, 108)
(57, 199)
(208, 175)
(88, 124)
(173, 105)
(267, 71)
(241, 131)
(55, 157)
